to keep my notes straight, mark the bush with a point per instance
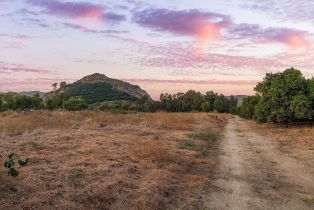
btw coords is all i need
(202, 135)
(75, 104)
(10, 163)
(15, 101)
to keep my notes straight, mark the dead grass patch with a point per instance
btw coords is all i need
(104, 160)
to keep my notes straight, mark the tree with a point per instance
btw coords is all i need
(247, 109)
(233, 105)
(210, 97)
(75, 104)
(300, 107)
(63, 85)
(56, 100)
(262, 112)
(310, 84)
(54, 85)
(206, 106)
(219, 104)
(284, 97)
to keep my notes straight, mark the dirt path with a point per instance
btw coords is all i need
(254, 174)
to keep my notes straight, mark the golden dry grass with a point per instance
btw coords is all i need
(298, 135)
(102, 160)
(298, 141)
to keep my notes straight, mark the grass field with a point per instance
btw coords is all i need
(102, 160)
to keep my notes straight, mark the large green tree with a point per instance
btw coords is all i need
(281, 97)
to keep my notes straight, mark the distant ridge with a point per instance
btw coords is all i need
(33, 93)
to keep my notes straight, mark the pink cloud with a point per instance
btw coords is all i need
(77, 10)
(180, 59)
(291, 37)
(283, 10)
(205, 26)
(294, 39)
(28, 84)
(17, 68)
(177, 56)
(15, 44)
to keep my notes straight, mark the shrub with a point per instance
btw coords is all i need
(185, 144)
(75, 104)
(202, 135)
(10, 163)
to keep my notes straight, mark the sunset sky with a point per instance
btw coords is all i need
(160, 45)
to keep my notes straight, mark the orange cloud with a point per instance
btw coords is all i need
(296, 41)
(205, 26)
(206, 33)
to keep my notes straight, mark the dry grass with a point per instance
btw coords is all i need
(297, 141)
(302, 135)
(102, 160)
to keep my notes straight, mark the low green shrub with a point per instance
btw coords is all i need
(186, 144)
(202, 135)
(10, 163)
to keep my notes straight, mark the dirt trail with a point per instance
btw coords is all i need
(254, 174)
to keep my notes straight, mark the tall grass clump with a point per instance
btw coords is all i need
(202, 135)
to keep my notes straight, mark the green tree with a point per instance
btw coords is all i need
(56, 101)
(233, 105)
(310, 84)
(219, 104)
(285, 97)
(210, 97)
(206, 106)
(247, 109)
(300, 107)
(5, 106)
(75, 104)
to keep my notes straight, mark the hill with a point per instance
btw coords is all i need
(33, 93)
(98, 88)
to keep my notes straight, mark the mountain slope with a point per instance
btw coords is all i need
(98, 87)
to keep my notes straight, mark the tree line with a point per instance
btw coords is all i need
(191, 101)
(284, 97)
(15, 101)
(196, 101)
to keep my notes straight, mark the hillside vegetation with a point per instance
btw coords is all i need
(98, 88)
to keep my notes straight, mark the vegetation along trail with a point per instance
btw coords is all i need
(255, 174)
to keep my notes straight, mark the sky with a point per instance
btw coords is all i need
(161, 45)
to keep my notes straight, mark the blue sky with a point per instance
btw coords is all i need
(163, 46)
